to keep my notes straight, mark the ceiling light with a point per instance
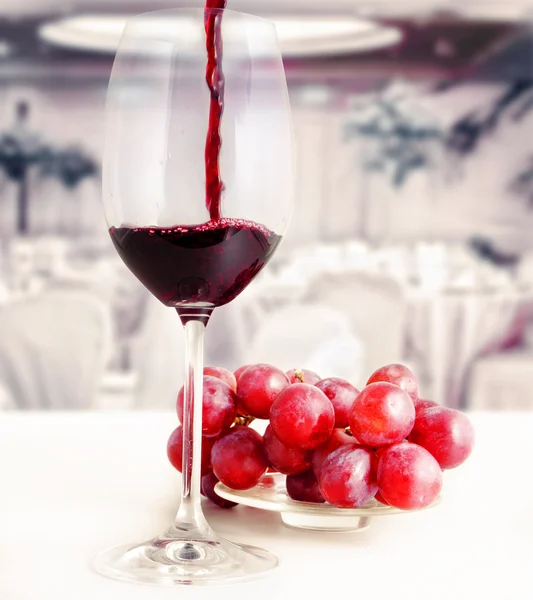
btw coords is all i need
(298, 36)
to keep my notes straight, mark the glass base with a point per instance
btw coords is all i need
(173, 561)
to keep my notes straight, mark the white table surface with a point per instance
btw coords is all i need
(72, 484)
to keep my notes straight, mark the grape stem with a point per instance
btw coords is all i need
(242, 420)
(299, 374)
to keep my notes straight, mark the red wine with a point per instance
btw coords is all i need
(196, 268)
(214, 76)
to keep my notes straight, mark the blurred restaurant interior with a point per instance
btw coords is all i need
(412, 234)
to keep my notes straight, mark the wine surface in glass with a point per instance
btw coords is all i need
(208, 264)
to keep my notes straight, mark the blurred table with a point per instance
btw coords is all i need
(73, 484)
(447, 330)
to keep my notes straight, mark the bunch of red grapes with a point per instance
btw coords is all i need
(334, 443)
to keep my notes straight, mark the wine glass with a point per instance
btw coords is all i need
(192, 259)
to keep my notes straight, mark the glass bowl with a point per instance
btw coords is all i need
(271, 494)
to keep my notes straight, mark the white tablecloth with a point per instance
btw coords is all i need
(448, 331)
(73, 484)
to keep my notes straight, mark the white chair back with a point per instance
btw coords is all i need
(50, 255)
(53, 350)
(158, 358)
(158, 351)
(524, 271)
(374, 306)
(312, 336)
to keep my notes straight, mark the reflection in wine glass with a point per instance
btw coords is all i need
(155, 201)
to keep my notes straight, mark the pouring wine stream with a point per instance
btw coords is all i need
(214, 76)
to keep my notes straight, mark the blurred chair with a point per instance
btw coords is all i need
(22, 257)
(22, 275)
(53, 350)
(524, 270)
(502, 382)
(230, 331)
(50, 255)
(6, 401)
(158, 357)
(158, 351)
(375, 308)
(314, 337)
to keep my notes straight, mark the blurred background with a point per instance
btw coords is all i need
(412, 236)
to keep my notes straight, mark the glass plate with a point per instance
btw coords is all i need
(271, 494)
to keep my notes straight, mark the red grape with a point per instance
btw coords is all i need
(238, 459)
(258, 387)
(338, 438)
(303, 376)
(446, 433)
(380, 498)
(382, 414)
(238, 406)
(408, 476)
(283, 458)
(209, 480)
(423, 404)
(302, 416)
(175, 450)
(342, 395)
(218, 412)
(399, 375)
(346, 479)
(304, 487)
(240, 371)
(221, 373)
(376, 455)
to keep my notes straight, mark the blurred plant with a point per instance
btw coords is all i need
(21, 151)
(404, 134)
(466, 134)
(513, 104)
(488, 251)
(71, 166)
(522, 183)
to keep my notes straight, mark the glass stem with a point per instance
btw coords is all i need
(190, 515)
